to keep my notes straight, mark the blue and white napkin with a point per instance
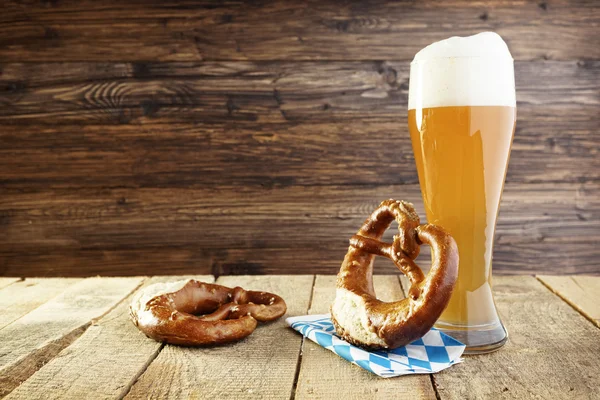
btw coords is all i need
(432, 353)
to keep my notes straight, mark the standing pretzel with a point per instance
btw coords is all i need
(362, 319)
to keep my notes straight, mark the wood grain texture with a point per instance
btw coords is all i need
(22, 297)
(581, 292)
(243, 230)
(550, 352)
(205, 137)
(34, 339)
(308, 30)
(551, 145)
(251, 92)
(325, 375)
(86, 369)
(260, 366)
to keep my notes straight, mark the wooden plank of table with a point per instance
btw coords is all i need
(122, 230)
(261, 366)
(581, 292)
(553, 144)
(306, 30)
(253, 93)
(34, 339)
(24, 296)
(86, 369)
(324, 375)
(7, 281)
(551, 352)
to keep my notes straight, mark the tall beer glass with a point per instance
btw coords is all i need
(461, 117)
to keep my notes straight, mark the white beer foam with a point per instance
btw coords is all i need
(463, 71)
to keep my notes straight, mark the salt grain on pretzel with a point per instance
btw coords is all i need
(362, 319)
(169, 312)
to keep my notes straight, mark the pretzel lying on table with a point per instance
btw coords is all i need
(167, 312)
(362, 319)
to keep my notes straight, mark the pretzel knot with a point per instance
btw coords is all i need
(170, 312)
(362, 319)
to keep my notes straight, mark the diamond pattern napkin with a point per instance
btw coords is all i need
(432, 353)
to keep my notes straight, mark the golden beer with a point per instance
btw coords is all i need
(461, 120)
(461, 155)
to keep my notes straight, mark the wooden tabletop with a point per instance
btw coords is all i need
(72, 338)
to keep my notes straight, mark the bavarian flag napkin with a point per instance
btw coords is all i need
(432, 353)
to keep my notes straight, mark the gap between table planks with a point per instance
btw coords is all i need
(325, 375)
(535, 362)
(7, 281)
(581, 292)
(24, 296)
(551, 352)
(37, 337)
(86, 369)
(260, 366)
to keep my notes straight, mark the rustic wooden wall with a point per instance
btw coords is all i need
(220, 137)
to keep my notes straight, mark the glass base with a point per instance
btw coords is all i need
(479, 339)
